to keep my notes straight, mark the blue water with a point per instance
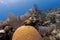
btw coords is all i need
(22, 6)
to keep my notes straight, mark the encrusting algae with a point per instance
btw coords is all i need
(26, 33)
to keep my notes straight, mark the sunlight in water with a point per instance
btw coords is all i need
(8, 1)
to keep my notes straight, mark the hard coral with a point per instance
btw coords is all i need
(26, 33)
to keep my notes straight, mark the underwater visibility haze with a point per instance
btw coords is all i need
(22, 6)
(29, 19)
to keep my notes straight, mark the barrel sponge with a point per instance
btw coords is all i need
(26, 33)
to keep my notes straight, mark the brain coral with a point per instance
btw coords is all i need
(26, 33)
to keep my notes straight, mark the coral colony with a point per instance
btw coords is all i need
(33, 25)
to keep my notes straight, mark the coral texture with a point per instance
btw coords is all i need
(26, 33)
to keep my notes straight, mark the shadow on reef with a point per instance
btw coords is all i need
(47, 23)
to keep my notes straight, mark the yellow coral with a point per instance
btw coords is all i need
(26, 33)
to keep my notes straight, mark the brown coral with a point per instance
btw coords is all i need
(26, 33)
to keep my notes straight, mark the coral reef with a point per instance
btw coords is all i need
(46, 23)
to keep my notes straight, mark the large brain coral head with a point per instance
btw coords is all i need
(26, 33)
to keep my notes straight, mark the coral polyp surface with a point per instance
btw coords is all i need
(26, 33)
